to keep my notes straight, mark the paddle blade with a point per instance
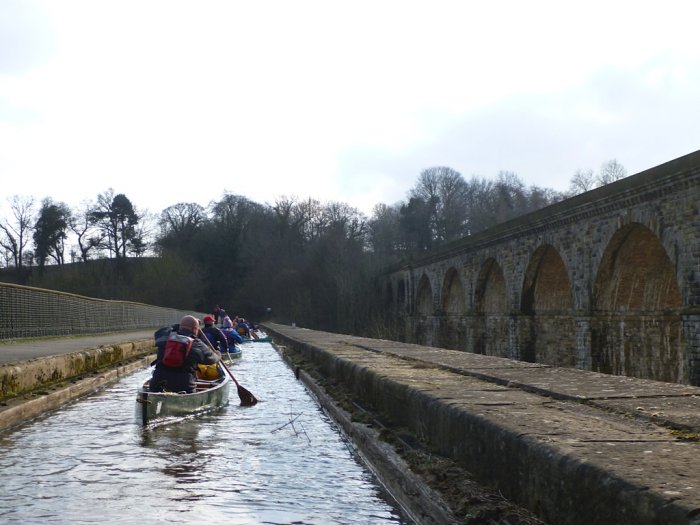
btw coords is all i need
(246, 397)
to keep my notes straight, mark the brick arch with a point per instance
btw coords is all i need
(389, 303)
(453, 302)
(636, 322)
(452, 331)
(490, 294)
(636, 274)
(547, 287)
(491, 321)
(425, 310)
(401, 295)
(424, 297)
(548, 331)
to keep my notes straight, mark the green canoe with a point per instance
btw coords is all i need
(156, 408)
(258, 336)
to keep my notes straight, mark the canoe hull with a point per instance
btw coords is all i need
(258, 336)
(155, 408)
(235, 354)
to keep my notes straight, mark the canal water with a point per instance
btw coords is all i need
(282, 461)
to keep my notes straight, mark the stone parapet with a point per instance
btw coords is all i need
(36, 386)
(17, 410)
(575, 447)
(26, 376)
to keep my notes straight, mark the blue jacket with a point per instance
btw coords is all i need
(216, 337)
(233, 336)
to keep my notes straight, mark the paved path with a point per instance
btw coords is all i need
(23, 350)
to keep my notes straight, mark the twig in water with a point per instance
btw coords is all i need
(288, 423)
(307, 436)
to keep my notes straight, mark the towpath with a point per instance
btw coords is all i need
(23, 350)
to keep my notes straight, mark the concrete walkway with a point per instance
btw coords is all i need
(18, 350)
(572, 446)
(40, 375)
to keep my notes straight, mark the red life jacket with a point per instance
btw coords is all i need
(177, 348)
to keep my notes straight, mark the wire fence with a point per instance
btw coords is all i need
(35, 312)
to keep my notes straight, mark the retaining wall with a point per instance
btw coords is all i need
(33, 387)
(574, 447)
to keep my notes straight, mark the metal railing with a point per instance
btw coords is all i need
(35, 312)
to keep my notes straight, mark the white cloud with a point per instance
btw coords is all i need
(170, 101)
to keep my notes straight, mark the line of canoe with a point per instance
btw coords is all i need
(157, 408)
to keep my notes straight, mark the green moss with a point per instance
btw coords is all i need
(685, 435)
(362, 417)
(9, 386)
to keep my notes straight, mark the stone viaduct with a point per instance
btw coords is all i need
(607, 281)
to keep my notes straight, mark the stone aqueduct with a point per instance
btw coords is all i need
(607, 281)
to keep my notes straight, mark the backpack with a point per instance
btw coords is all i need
(161, 335)
(177, 348)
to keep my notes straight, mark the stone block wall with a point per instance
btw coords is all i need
(606, 281)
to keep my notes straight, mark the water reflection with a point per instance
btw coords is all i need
(279, 462)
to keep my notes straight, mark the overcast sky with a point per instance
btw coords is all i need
(171, 101)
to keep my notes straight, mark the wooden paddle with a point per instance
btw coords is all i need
(246, 397)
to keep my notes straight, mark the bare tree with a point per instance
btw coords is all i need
(144, 240)
(611, 171)
(15, 232)
(88, 236)
(444, 191)
(384, 229)
(6, 256)
(289, 223)
(179, 225)
(582, 181)
(309, 214)
(345, 221)
(510, 199)
(182, 219)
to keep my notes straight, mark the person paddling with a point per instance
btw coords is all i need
(178, 356)
(216, 337)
